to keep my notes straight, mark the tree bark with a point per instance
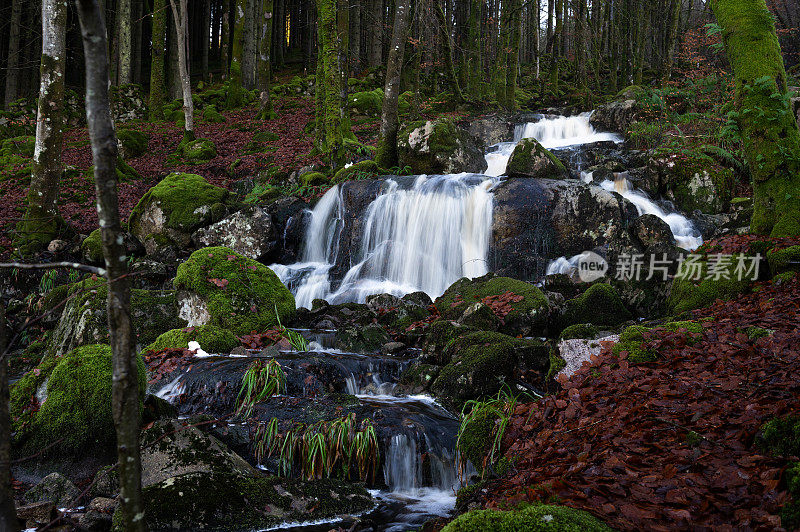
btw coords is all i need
(265, 112)
(386, 155)
(8, 514)
(768, 126)
(376, 39)
(12, 64)
(205, 39)
(514, 21)
(125, 389)
(158, 95)
(41, 221)
(125, 45)
(225, 38)
(181, 15)
(235, 89)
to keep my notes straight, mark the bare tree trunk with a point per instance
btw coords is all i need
(124, 17)
(8, 514)
(206, 29)
(266, 111)
(125, 390)
(181, 16)
(386, 155)
(444, 29)
(226, 36)
(41, 221)
(355, 39)
(12, 65)
(376, 40)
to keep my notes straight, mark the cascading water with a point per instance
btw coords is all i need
(422, 238)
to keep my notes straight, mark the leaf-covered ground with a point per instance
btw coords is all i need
(668, 445)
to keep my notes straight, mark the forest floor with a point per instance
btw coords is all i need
(671, 444)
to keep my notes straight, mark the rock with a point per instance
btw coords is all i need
(212, 339)
(95, 521)
(368, 339)
(103, 504)
(615, 116)
(531, 159)
(439, 335)
(84, 318)
(367, 103)
(220, 287)
(197, 150)
(492, 129)
(534, 518)
(92, 248)
(37, 514)
(652, 231)
(693, 180)
(54, 488)
(391, 348)
(439, 147)
(57, 246)
(73, 395)
(170, 212)
(784, 260)
(105, 484)
(575, 351)
(128, 102)
(599, 305)
(249, 232)
(521, 308)
(132, 143)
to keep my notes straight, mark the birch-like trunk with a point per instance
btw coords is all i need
(266, 111)
(125, 43)
(125, 390)
(181, 17)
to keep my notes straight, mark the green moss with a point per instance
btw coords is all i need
(360, 170)
(531, 519)
(266, 136)
(78, 405)
(465, 495)
(476, 436)
(781, 436)
(22, 146)
(419, 375)
(686, 295)
(556, 365)
(443, 139)
(134, 143)
(251, 294)
(197, 150)
(212, 339)
(787, 225)
(784, 277)
(531, 159)
(186, 200)
(92, 247)
(579, 330)
(314, 179)
(784, 260)
(632, 341)
(599, 305)
(367, 103)
(123, 171)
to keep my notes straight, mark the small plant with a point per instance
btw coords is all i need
(48, 281)
(298, 341)
(262, 380)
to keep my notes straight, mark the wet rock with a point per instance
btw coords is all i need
(440, 147)
(290, 217)
(37, 514)
(368, 339)
(693, 180)
(492, 129)
(599, 305)
(398, 314)
(652, 231)
(249, 232)
(615, 116)
(324, 316)
(54, 488)
(392, 348)
(531, 159)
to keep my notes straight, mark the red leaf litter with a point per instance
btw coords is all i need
(668, 445)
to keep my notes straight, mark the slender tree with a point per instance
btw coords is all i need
(125, 41)
(266, 111)
(41, 220)
(180, 15)
(12, 63)
(386, 155)
(158, 93)
(768, 126)
(235, 89)
(8, 514)
(125, 389)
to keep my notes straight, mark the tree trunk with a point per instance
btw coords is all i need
(158, 93)
(181, 15)
(8, 514)
(125, 389)
(444, 29)
(204, 41)
(248, 59)
(355, 39)
(376, 40)
(12, 65)
(226, 32)
(41, 220)
(512, 52)
(672, 37)
(235, 90)
(768, 126)
(125, 43)
(386, 155)
(266, 112)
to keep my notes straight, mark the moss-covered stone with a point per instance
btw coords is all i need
(531, 159)
(232, 292)
(212, 339)
(784, 260)
(367, 103)
(531, 519)
(439, 335)
(694, 180)
(476, 436)
(465, 495)
(529, 306)
(211, 115)
(197, 150)
(599, 305)
(175, 208)
(314, 179)
(689, 294)
(92, 248)
(123, 171)
(439, 147)
(579, 330)
(360, 170)
(132, 142)
(781, 436)
(77, 408)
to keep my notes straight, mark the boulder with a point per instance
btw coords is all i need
(197, 150)
(693, 180)
(366, 339)
(170, 212)
(439, 147)
(92, 248)
(54, 488)
(132, 143)
(531, 159)
(212, 339)
(84, 318)
(599, 305)
(615, 116)
(492, 129)
(249, 232)
(128, 102)
(37, 514)
(220, 287)
(652, 231)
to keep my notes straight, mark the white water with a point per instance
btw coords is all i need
(419, 239)
(560, 132)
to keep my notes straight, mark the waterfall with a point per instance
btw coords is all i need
(402, 469)
(423, 238)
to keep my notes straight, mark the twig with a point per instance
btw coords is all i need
(54, 265)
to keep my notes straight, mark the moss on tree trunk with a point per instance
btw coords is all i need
(768, 127)
(235, 89)
(158, 93)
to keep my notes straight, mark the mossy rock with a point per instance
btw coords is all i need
(531, 159)
(77, 408)
(439, 335)
(197, 150)
(687, 294)
(227, 290)
(314, 179)
(84, 318)
(363, 339)
(175, 208)
(694, 180)
(599, 305)
(784, 260)
(527, 317)
(360, 170)
(211, 115)
(466, 494)
(579, 331)
(367, 103)
(123, 171)
(419, 377)
(476, 437)
(92, 248)
(212, 339)
(632, 339)
(132, 142)
(439, 147)
(534, 518)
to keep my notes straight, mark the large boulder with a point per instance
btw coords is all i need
(615, 116)
(220, 287)
(439, 147)
(531, 159)
(599, 305)
(67, 401)
(128, 102)
(492, 129)
(249, 232)
(693, 180)
(84, 319)
(54, 488)
(170, 212)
